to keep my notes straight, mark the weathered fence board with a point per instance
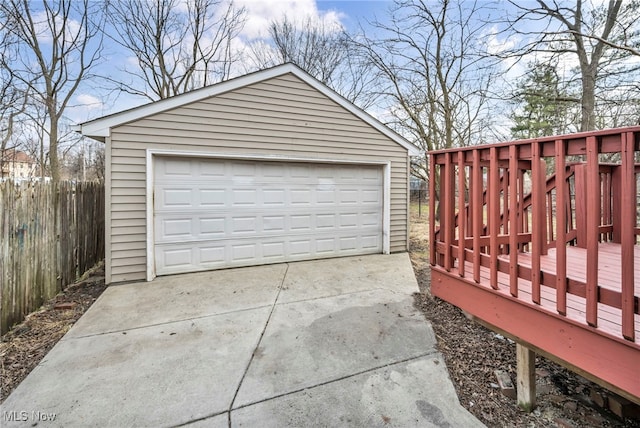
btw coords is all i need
(49, 235)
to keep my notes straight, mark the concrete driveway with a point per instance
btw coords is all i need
(322, 343)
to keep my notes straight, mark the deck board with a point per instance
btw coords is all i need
(609, 264)
(609, 276)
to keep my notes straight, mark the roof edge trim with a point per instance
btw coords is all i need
(100, 128)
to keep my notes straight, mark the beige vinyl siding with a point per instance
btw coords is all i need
(282, 116)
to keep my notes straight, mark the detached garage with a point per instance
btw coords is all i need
(266, 168)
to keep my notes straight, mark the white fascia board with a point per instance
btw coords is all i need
(100, 128)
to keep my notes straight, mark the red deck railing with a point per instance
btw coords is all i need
(543, 220)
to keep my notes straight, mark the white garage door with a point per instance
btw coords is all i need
(211, 214)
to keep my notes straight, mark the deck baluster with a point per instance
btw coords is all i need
(494, 216)
(592, 229)
(448, 218)
(561, 230)
(513, 220)
(462, 213)
(538, 222)
(504, 215)
(628, 223)
(477, 213)
(432, 209)
(523, 223)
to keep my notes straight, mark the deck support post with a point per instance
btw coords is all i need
(526, 390)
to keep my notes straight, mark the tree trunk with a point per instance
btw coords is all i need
(54, 163)
(588, 119)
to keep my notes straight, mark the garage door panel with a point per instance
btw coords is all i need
(301, 247)
(175, 167)
(273, 224)
(371, 176)
(243, 225)
(325, 221)
(174, 228)
(244, 197)
(326, 246)
(212, 226)
(177, 257)
(371, 219)
(348, 196)
(301, 171)
(371, 196)
(225, 213)
(177, 197)
(272, 250)
(273, 171)
(300, 197)
(203, 225)
(243, 171)
(348, 221)
(274, 197)
(213, 197)
(206, 168)
(326, 196)
(210, 255)
(244, 251)
(301, 222)
(195, 256)
(348, 243)
(370, 242)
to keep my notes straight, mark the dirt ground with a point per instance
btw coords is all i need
(473, 353)
(22, 348)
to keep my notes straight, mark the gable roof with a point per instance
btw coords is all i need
(100, 128)
(16, 156)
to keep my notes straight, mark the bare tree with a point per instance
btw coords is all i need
(85, 161)
(13, 96)
(58, 44)
(313, 45)
(31, 136)
(432, 73)
(176, 49)
(601, 37)
(324, 50)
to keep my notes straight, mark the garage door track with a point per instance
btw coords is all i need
(330, 343)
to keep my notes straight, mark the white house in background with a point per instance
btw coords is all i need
(17, 165)
(269, 167)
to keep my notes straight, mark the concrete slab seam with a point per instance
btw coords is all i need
(266, 324)
(199, 419)
(328, 296)
(165, 323)
(417, 357)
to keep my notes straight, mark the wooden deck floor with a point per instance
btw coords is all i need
(609, 318)
(599, 353)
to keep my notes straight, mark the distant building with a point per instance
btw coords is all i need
(17, 165)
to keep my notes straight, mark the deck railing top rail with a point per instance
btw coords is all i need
(576, 142)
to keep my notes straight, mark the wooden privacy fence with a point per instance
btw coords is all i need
(50, 234)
